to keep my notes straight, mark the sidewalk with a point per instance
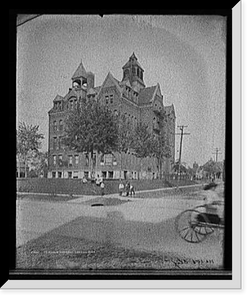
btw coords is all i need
(83, 198)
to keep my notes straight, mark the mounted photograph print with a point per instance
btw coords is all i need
(124, 147)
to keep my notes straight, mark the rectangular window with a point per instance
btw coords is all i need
(86, 160)
(60, 159)
(76, 159)
(111, 98)
(107, 100)
(70, 160)
(69, 174)
(59, 142)
(54, 160)
(60, 125)
(54, 142)
(59, 174)
(53, 174)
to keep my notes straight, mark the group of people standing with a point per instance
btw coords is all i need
(128, 188)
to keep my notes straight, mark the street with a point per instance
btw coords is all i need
(138, 224)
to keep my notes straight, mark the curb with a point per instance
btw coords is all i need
(116, 194)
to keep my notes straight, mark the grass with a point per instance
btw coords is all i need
(188, 192)
(44, 197)
(76, 187)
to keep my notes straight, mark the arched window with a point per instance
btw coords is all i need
(60, 125)
(54, 125)
(138, 72)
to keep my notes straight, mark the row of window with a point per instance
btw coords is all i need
(129, 93)
(58, 125)
(72, 104)
(58, 105)
(69, 161)
(69, 174)
(135, 71)
(109, 99)
(107, 159)
(75, 174)
(57, 143)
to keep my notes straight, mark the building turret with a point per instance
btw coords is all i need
(133, 72)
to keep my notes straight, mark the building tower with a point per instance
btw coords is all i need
(133, 72)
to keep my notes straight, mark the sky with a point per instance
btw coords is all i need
(185, 54)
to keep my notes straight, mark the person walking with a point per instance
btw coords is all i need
(132, 190)
(127, 187)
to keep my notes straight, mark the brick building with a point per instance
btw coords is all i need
(129, 96)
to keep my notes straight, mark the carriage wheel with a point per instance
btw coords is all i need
(188, 226)
(204, 228)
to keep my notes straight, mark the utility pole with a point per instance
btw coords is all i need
(181, 133)
(217, 152)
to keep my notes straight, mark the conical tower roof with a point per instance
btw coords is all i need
(80, 72)
(132, 61)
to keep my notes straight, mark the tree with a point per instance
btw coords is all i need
(142, 142)
(124, 141)
(160, 150)
(28, 139)
(91, 128)
(38, 163)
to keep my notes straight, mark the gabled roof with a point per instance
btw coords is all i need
(146, 94)
(132, 61)
(125, 82)
(58, 98)
(110, 80)
(80, 72)
(91, 91)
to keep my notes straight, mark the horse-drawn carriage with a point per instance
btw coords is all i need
(194, 225)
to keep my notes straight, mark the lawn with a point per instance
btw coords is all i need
(44, 197)
(76, 187)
